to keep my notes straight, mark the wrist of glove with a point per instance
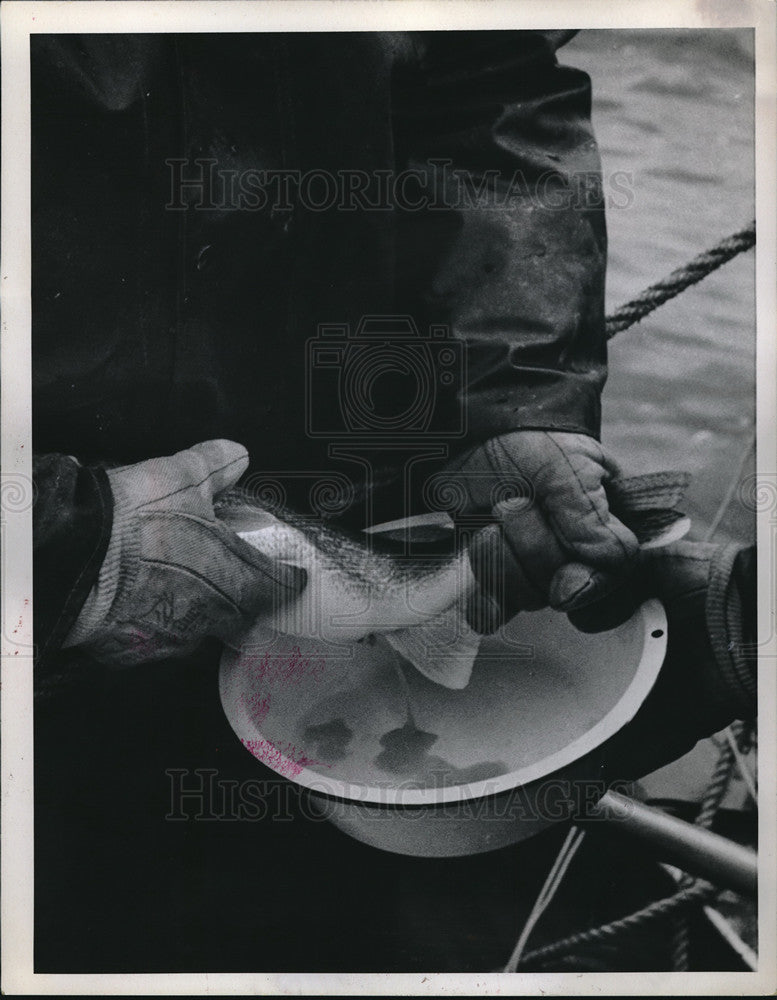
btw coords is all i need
(708, 678)
(708, 592)
(173, 574)
(553, 540)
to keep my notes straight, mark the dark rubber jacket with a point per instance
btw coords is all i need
(203, 204)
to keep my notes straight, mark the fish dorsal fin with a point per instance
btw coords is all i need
(443, 649)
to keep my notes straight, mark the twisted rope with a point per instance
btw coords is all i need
(713, 796)
(698, 892)
(654, 296)
(719, 783)
(681, 943)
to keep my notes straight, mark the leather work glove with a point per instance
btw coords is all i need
(555, 541)
(173, 574)
(709, 675)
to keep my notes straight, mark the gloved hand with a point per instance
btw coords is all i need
(555, 543)
(708, 678)
(173, 573)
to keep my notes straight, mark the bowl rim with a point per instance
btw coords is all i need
(620, 714)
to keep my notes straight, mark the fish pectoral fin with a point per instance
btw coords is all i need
(443, 649)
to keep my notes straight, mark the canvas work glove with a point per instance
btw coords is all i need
(173, 574)
(709, 675)
(554, 541)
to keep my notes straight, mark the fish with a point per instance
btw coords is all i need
(358, 589)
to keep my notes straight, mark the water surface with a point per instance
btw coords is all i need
(673, 111)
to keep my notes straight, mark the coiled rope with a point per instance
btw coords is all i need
(654, 296)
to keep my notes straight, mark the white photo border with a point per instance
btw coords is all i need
(18, 22)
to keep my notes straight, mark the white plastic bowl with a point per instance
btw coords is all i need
(466, 771)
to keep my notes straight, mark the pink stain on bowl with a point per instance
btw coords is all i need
(287, 762)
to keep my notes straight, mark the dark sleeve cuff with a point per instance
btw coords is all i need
(730, 599)
(72, 520)
(523, 398)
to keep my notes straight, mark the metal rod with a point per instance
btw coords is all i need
(695, 850)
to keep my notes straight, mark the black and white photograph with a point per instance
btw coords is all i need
(388, 498)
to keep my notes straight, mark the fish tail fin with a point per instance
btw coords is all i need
(648, 505)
